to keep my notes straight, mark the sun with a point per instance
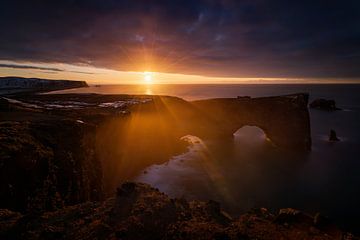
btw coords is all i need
(148, 78)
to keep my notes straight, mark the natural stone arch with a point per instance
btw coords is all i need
(284, 119)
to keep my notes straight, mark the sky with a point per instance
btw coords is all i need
(181, 41)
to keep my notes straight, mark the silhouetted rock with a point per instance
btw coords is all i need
(284, 119)
(333, 137)
(46, 165)
(324, 104)
(4, 104)
(141, 212)
(38, 83)
(52, 157)
(289, 215)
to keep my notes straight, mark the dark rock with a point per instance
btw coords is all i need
(221, 236)
(8, 219)
(4, 104)
(242, 236)
(281, 118)
(324, 224)
(261, 212)
(287, 215)
(321, 221)
(333, 137)
(324, 104)
(46, 165)
(39, 84)
(52, 233)
(244, 98)
(126, 189)
(129, 219)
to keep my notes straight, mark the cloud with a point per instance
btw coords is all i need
(47, 69)
(30, 67)
(249, 38)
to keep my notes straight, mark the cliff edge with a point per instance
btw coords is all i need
(141, 212)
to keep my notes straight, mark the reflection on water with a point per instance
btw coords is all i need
(148, 90)
(249, 172)
(238, 173)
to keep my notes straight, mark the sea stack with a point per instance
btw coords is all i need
(324, 104)
(333, 137)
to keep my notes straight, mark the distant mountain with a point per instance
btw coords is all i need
(38, 83)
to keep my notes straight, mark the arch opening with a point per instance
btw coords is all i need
(250, 135)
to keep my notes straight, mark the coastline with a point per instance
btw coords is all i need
(65, 123)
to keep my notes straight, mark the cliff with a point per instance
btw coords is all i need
(59, 150)
(284, 119)
(45, 165)
(140, 212)
(60, 155)
(19, 84)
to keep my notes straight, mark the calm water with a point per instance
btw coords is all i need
(247, 172)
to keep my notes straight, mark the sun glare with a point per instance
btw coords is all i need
(148, 77)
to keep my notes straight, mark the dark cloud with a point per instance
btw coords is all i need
(29, 67)
(249, 38)
(46, 69)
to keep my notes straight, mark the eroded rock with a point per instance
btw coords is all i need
(141, 212)
(46, 165)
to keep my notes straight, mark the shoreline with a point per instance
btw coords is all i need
(82, 123)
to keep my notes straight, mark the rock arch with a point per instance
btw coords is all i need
(284, 119)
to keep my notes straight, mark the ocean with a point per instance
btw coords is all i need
(247, 172)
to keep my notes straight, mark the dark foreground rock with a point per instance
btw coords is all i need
(324, 104)
(45, 165)
(4, 105)
(142, 212)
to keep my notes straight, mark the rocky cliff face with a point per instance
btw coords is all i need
(56, 150)
(284, 119)
(48, 162)
(141, 212)
(46, 165)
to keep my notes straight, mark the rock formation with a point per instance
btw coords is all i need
(284, 119)
(140, 212)
(333, 137)
(60, 154)
(324, 104)
(52, 157)
(47, 164)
